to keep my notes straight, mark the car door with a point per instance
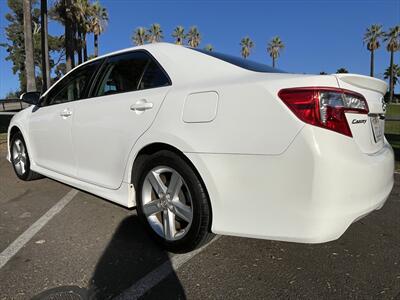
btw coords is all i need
(123, 104)
(50, 123)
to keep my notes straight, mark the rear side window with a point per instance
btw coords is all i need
(153, 77)
(130, 72)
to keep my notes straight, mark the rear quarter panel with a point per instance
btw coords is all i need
(249, 120)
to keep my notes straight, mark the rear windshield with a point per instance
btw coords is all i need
(241, 62)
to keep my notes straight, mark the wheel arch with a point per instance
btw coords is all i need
(152, 148)
(14, 130)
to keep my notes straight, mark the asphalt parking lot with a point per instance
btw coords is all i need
(102, 249)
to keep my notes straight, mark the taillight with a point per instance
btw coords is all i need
(324, 107)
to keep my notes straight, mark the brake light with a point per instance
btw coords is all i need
(324, 107)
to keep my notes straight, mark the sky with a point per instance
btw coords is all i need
(318, 35)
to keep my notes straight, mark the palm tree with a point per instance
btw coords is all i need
(209, 48)
(247, 44)
(193, 37)
(274, 48)
(99, 19)
(179, 35)
(63, 13)
(392, 38)
(139, 36)
(83, 14)
(341, 70)
(28, 40)
(396, 74)
(154, 33)
(44, 46)
(371, 38)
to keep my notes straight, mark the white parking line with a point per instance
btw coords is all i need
(153, 278)
(24, 238)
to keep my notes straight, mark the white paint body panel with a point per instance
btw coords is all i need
(200, 107)
(267, 173)
(311, 193)
(100, 130)
(373, 92)
(51, 138)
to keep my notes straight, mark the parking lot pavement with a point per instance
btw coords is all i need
(102, 248)
(22, 203)
(363, 264)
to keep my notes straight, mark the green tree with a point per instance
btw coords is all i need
(372, 37)
(63, 12)
(341, 70)
(13, 95)
(209, 48)
(247, 44)
(14, 44)
(274, 48)
(392, 39)
(59, 71)
(396, 74)
(99, 19)
(15, 40)
(155, 33)
(44, 46)
(139, 36)
(79, 18)
(179, 35)
(83, 14)
(28, 42)
(193, 37)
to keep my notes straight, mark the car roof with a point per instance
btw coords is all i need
(193, 67)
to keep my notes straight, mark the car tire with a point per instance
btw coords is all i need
(172, 202)
(20, 159)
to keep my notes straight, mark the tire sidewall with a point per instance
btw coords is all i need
(18, 136)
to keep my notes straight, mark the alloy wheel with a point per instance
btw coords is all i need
(167, 203)
(19, 157)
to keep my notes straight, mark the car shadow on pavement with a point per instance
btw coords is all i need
(130, 255)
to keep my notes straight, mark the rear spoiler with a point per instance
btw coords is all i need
(365, 82)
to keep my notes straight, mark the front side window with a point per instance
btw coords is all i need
(130, 72)
(72, 91)
(74, 86)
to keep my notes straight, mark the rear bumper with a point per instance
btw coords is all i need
(311, 193)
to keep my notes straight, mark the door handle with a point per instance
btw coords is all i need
(141, 105)
(66, 113)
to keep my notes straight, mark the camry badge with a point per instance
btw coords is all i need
(355, 121)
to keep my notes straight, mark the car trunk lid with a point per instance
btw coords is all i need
(367, 130)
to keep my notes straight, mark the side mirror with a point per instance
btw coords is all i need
(30, 98)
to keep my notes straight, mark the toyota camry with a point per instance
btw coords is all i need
(204, 143)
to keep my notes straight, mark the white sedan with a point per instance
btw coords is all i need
(202, 143)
